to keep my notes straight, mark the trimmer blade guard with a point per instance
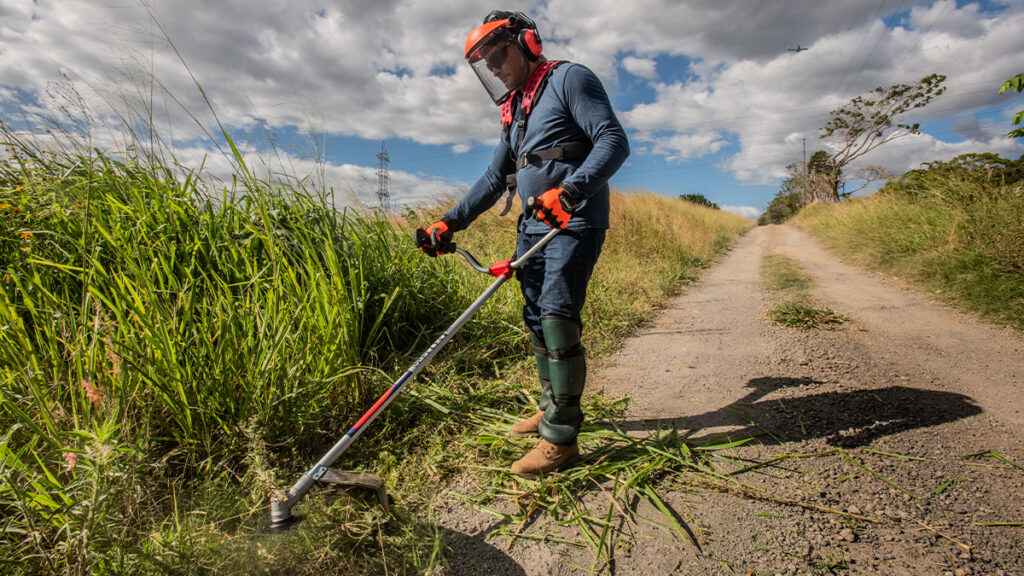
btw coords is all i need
(281, 517)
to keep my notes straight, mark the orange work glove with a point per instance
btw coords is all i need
(556, 206)
(436, 239)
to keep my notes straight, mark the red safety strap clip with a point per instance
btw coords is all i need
(501, 269)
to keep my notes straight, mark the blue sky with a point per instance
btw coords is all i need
(711, 98)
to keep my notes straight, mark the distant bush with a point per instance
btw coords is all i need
(784, 206)
(985, 169)
(699, 200)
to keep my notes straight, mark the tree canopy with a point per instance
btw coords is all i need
(867, 122)
(789, 199)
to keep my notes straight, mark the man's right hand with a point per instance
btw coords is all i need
(435, 239)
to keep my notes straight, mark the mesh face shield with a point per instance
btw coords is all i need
(488, 46)
(495, 88)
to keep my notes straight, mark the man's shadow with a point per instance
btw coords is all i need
(472, 555)
(843, 419)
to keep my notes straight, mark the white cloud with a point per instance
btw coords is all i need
(642, 67)
(771, 103)
(748, 212)
(380, 69)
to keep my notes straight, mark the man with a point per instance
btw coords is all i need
(560, 143)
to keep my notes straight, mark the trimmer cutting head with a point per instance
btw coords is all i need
(283, 524)
(281, 517)
(281, 502)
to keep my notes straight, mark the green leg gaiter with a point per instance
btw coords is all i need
(567, 368)
(540, 351)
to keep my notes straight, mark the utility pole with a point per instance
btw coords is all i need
(383, 178)
(806, 183)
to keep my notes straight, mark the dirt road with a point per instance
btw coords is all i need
(926, 404)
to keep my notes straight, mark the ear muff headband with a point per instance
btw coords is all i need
(524, 30)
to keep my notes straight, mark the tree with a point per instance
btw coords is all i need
(699, 200)
(1017, 83)
(784, 206)
(788, 201)
(816, 183)
(867, 122)
(820, 163)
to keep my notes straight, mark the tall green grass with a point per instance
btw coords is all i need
(958, 238)
(155, 338)
(168, 355)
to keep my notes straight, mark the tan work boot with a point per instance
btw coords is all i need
(545, 457)
(528, 427)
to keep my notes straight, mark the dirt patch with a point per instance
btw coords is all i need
(905, 422)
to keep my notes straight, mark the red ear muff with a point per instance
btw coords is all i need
(530, 41)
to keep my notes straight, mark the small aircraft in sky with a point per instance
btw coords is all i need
(797, 49)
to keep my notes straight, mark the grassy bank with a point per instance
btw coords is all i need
(167, 357)
(956, 235)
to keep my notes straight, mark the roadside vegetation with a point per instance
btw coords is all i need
(954, 229)
(790, 286)
(169, 353)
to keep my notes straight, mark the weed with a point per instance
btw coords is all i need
(783, 274)
(804, 316)
(792, 286)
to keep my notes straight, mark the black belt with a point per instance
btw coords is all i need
(567, 151)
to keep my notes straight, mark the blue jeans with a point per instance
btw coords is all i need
(554, 281)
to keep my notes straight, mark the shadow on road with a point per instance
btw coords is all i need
(471, 555)
(843, 419)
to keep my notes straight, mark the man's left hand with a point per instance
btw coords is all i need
(555, 207)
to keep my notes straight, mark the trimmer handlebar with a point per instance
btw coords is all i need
(506, 267)
(472, 261)
(282, 501)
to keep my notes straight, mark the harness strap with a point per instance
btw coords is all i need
(525, 100)
(534, 86)
(566, 151)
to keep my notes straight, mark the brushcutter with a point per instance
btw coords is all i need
(281, 502)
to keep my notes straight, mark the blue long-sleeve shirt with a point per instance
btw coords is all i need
(573, 107)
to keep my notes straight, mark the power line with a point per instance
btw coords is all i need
(855, 54)
(921, 35)
(384, 178)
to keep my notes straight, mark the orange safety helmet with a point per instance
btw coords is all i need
(518, 29)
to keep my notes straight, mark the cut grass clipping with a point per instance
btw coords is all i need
(791, 285)
(627, 480)
(594, 505)
(804, 315)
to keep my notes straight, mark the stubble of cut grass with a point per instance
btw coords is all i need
(790, 287)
